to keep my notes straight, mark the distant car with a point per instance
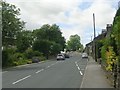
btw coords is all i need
(84, 55)
(35, 60)
(66, 55)
(60, 57)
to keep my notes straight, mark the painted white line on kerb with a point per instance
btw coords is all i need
(21, 79)
(39, 71)
(81, 73)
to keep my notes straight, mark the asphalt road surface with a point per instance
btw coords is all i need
(49, 74)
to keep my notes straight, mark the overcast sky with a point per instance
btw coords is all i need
(73, 16)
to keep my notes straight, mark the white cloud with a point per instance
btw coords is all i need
(39, 12)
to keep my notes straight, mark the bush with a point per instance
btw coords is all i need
(7, 54)
(29, 53)
(18, 57)
(42, 58)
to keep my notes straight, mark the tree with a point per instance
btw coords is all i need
(42, 46)
(24, 40)
(11, 23)
(50, 35)
(74, 43)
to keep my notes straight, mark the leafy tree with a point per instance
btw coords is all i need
(55, 48)
(22, 43)
(74, 43)
(42, 46)
(49, 38)
(11, 23)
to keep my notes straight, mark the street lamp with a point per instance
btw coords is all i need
(94, 44)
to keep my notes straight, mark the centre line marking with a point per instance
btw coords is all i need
(21, 79)
(39, 70)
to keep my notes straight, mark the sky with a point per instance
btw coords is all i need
(72, 16)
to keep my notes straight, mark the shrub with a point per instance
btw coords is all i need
(111, 59)
(42, 58)
(7, 54)
(29, 53)
(18, 56)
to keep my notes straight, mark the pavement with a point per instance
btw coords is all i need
(94, 76)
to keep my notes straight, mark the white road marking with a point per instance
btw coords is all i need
(48, 66)
(81, 73)
(21, 79)
(78, 68)
(39, 71)
(75, 62)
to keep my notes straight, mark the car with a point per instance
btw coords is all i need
(60, 57)
(84, 55)
(66, 55)
(35, 60)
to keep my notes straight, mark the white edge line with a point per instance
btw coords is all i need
(75, 62)
(84, 75)
(77, 65)
(78, 68)
(21, 79)
(81, 73)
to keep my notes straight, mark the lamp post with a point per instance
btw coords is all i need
(94, 44)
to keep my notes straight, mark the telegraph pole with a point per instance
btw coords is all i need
(94, 44)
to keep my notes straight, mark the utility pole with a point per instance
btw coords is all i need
(94, 44)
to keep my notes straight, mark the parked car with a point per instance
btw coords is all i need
(60, 57)
(35, 60)
(84, 55)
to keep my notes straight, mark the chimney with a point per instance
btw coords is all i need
(109, 27)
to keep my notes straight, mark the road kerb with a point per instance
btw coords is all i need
(84, 75)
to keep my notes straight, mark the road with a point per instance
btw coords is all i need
(49, 74)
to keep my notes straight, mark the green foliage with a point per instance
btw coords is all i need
(11, 24)
(18, 56)
(118, 12)
(74, 43)
(48, 40)
(42, 46)
(29, 53)
(7, 54)
(55, 48)
(111, 50)
(99, 45)
(111, 58)
(22, 43)
(103, 53)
